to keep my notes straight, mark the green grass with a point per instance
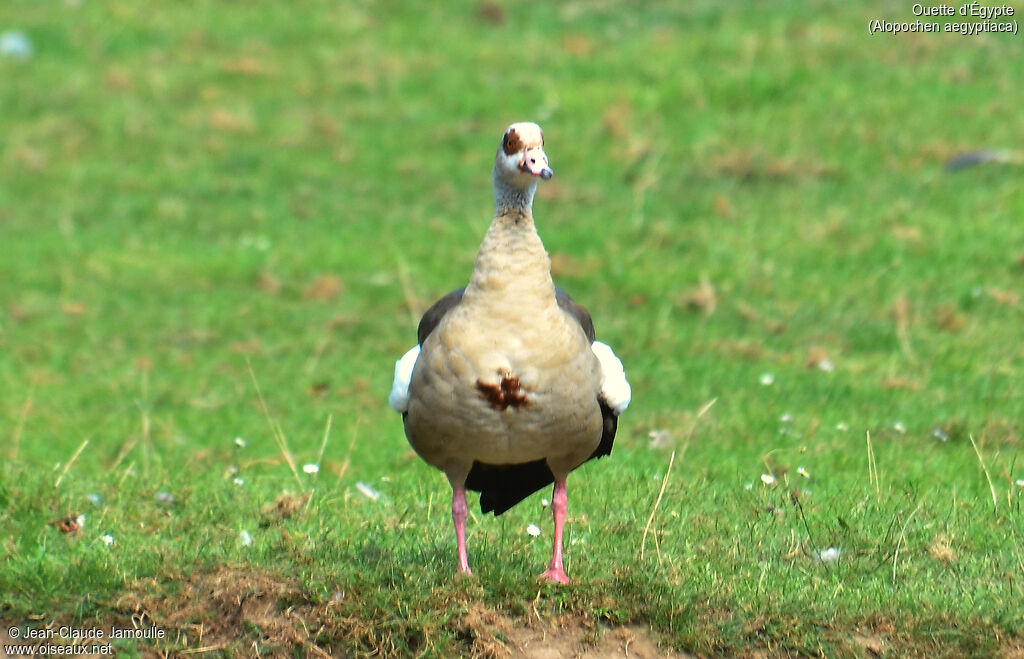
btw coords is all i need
(189, 190)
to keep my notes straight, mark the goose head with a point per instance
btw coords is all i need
(521, 160)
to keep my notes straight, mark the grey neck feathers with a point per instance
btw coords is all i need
(512, 200)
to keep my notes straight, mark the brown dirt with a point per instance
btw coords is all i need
(240, 611)
(576, 641)
(243, 612)
(493, 634)
(237, 610)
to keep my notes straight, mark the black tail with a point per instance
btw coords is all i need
(503, 486)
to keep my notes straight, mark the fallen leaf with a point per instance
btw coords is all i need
(318, 389)
(268, 283)
(249, 347)
(577, 44)
(723, 207)
(491, 12)
(325, 287)
(1008, 298)
(616, 119)
(907, 234)
(246, 66)
(285, 506)
(67, 525)
(900, 383)
(940, 550)
(230, 122)
(563, 264)
(817, 356)
(748, 313)
(948, 318)
(702, 298)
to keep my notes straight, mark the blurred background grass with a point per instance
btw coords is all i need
(744, 194)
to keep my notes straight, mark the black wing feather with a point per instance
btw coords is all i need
(432, 318)
(503, 486)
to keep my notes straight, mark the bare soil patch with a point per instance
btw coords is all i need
(245, 612)
(237, 610)
(490, 633)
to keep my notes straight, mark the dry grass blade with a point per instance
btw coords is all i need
(664, 482)
(204, 650)
(1020, 559)
(902, 541)
(411, 302)
(74, 457)
(653, 511)
(26, 407)
(275, 428)
(323, 444)
(126, 448)
(348, 452)
(991, 487)
(901, 310)
(873, 469)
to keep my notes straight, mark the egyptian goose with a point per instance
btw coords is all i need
(507, 390)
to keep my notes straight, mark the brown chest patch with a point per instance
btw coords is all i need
(504, 395)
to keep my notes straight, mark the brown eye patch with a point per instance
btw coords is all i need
(511, 143)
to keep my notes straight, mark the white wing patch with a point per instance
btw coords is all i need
(399, 397)
(615, 390)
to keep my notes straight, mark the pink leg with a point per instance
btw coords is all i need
(460, 511)
(559, 506)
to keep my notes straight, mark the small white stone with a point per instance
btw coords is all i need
(830, 554)
(367, 491)
(661, 437)
(16, 44)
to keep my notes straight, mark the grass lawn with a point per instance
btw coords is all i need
(220, 221)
